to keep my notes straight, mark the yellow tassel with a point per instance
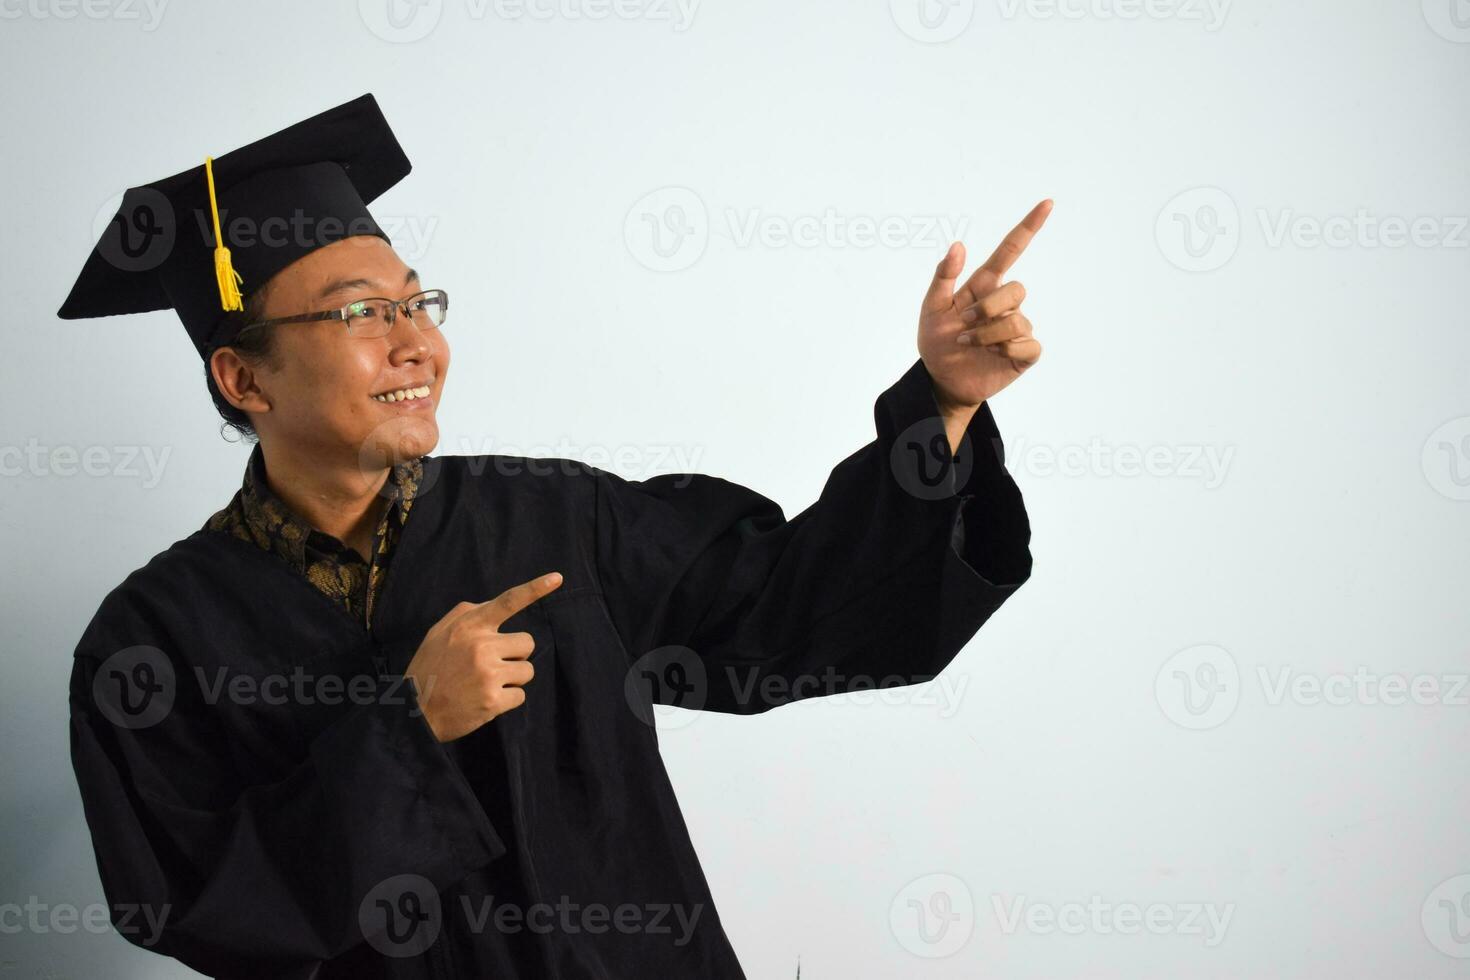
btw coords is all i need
(229, 280)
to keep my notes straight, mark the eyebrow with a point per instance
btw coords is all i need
(341, 285)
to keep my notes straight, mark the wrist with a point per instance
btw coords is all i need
(956, 420)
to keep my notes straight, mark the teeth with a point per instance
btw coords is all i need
(404, 394)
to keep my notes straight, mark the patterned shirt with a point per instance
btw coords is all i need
(257, 515)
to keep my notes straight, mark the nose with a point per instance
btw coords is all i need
(406, 342)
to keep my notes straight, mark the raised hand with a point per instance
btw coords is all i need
(973, 339)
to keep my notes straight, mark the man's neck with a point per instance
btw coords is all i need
(339, 499)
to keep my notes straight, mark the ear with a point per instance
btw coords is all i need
(238, 381)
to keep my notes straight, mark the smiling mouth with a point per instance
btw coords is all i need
(403, 394)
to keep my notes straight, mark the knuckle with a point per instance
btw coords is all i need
(483, 671)
(469, 636)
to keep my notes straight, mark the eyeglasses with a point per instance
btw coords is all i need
(374, 317)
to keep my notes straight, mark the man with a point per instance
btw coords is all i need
(389, 714)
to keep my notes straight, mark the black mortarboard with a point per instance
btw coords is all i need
(272, 202)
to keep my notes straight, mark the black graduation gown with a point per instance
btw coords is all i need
(278, 825)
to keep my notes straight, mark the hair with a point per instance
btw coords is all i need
(253, 346)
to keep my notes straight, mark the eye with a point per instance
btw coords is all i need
(428, 310)
(364, 308)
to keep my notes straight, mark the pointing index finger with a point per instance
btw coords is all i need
(518, 597)
(1011, 247)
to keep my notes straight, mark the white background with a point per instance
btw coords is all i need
(1068, 763)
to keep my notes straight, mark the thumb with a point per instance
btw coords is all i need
(941, 291)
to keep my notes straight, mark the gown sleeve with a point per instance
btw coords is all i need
(879, 583)
(264, 879)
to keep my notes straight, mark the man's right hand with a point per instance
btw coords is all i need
(466, 671)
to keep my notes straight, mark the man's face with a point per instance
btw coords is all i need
(326, 388)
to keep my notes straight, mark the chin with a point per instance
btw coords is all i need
(397, 441)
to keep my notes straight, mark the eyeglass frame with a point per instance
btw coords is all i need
(341, 313)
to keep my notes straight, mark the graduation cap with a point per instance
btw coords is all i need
(197, 242)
